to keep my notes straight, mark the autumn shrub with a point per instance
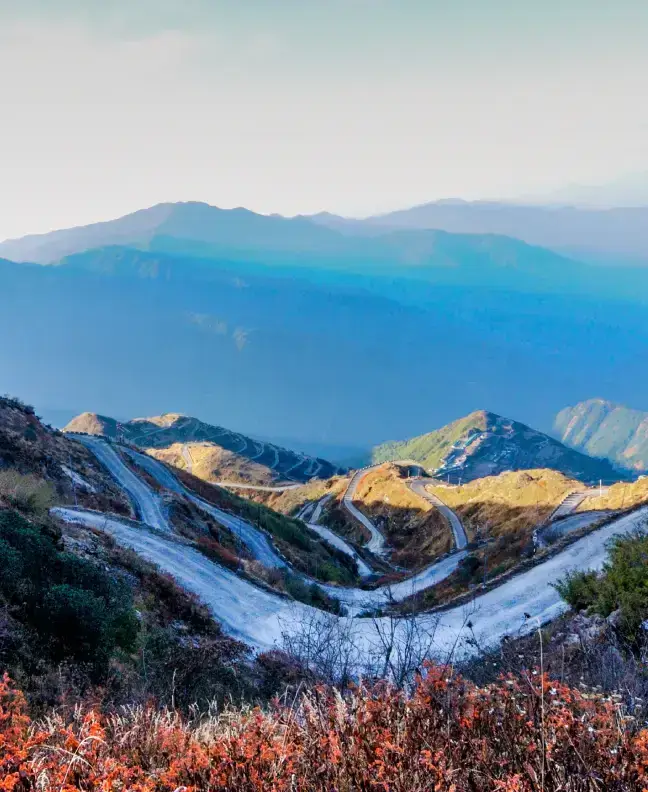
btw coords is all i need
(517, 735)
(215, 551)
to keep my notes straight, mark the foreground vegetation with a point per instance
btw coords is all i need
(619, 591)
(517, 735)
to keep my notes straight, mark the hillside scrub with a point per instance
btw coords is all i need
(68, 608)
(81, 616)
(520, 734)
(30, 448)
(26, 492)
(621, 588)
(301, 547)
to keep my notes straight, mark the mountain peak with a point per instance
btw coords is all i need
(486, 444)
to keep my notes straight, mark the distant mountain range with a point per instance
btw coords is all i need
(332, 337)
(605, 429)
(626, 191)
(599, 235)
(209, 452)
(485, 444)
(588, 232)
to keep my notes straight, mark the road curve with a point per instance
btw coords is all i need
(255, 540)
(147, 503)
(550, 533)
(377, 543)
(458, 531)
(355, 599)
(570, 503)
(259, 487)
(364, 570)
(260, 617)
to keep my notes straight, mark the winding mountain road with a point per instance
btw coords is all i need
(461, 540)
(377, 543)
(148, 505)
(364, 570)
(355, 599)
(259, 617)
(256, 541)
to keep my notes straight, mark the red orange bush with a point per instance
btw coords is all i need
(448, 736)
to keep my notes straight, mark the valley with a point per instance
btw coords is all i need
(250, 608)
(259, 618)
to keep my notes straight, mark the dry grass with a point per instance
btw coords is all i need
(211, 462)
(508, 504)
(520, 734)
(27, 492)
(291, 501)
(619, 496)
(417, 531)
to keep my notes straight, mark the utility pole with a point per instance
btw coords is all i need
(600, 488)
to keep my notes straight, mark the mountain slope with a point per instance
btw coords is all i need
(31, 452)
(209, 452)
(605, 429)
(484, 444)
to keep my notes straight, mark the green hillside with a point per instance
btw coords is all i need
(485, 444)
(432, 448)
(604, 429)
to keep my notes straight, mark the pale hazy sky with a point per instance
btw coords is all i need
(355, 106)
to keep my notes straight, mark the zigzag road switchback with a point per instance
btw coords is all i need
(259, 617)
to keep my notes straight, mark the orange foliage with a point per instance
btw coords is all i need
(448, 736)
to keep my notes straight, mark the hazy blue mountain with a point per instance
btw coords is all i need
(626, 191)
(206, 232)
(616, 235)
(605, 429)
(321, 355)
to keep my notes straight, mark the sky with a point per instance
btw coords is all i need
(299, 106)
